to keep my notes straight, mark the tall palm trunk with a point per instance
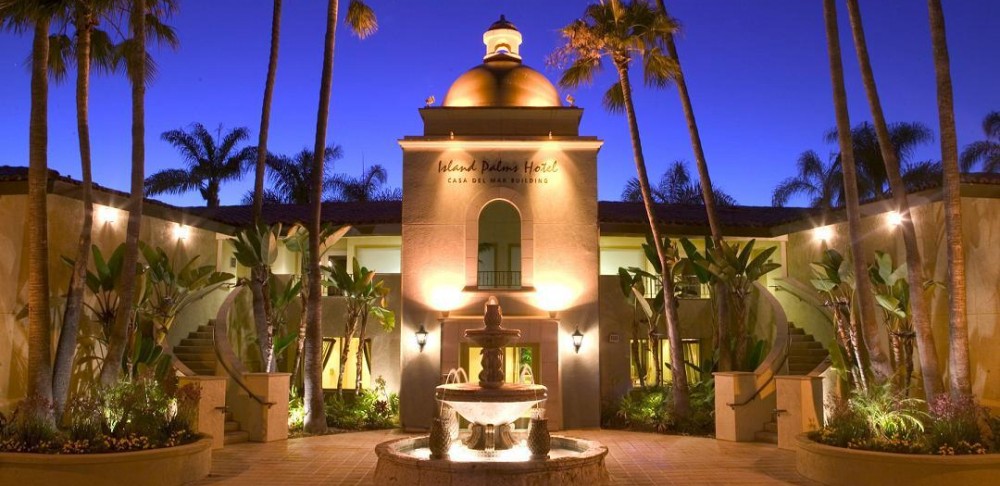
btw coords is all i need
(919, 315)
(66, 350)
(720, 290)
(118, 341)
(864, 296)
(315, 415)
(265, 115)
(259, 276)
(958, 357)
(681, 395)
(39, 332)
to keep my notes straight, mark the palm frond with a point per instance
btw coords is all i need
(61, 56)
(580, 72)
(361, 19)
(658, 69)
(614, 99)
(170, 181)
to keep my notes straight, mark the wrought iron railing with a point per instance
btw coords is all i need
(686, 287)
(490, 279)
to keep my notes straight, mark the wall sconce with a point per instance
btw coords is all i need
(823, 233)
(577, 339)
(421, 337)
(893, 219)
(181, 232)
(107, 214)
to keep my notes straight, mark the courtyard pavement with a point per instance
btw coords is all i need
(634, 458)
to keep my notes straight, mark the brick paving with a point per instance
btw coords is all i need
(634, 458)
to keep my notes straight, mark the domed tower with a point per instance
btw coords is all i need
(500, 198)
(502, 80)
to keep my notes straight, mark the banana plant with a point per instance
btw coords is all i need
(283, 295)
(835, 282)
(734, 266)
(892, 293)
(170, 289)
(634, 291)
(366, 297)
(256, 248)
(297, 241)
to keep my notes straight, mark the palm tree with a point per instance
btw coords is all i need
(986, 152)
(361, 20)
(291, 177)
(958, 356)
(620, 31)
(259, 277)
(265, 114)
(822, 183)
(675, 187)
(366, 187)
(879, 361)
(138, 66)
(892, 142)
(211, 161)
(19, 16)
(91, 46)
(904, 138)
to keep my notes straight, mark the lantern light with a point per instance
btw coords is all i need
(823, 233)
(181, 232)
(421, 337)
(577, 339)
(893, 219)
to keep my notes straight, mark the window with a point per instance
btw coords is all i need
(331, 363)
(499, 246)
(648, 357)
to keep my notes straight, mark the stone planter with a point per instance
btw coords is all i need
(169, 466)
(836, 466)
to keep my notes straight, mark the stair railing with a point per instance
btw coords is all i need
(774, 363)
(224, 349)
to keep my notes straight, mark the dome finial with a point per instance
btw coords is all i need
(502, 40)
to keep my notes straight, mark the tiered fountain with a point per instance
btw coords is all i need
(491, 450)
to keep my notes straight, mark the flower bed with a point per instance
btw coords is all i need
(166, 466)
(836, 466)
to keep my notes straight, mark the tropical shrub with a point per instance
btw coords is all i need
(883, 419)
(651, 409)
(369, 409)
(133, 414)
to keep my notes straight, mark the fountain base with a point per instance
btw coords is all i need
(570, 461)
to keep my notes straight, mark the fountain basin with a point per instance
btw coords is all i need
(491, 406)
(571, 461)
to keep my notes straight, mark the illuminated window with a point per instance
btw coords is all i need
(331, 363)
(499, 247)
(648, 357)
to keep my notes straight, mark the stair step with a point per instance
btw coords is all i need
(197, 342)
(236, 437)
(806, 345)
(232, 426)
(796, 330)
(771, 427)
(798, 338)
(806, 352)
(766, 437)
(207, 328)
(199, 334)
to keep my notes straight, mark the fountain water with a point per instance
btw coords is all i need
(491, 451)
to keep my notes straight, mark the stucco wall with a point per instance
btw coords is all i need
(65, 217)
(981, 231)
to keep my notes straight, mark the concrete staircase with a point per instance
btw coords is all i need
(769, 435)
(197, 350)
(233, 433)
(804, 352)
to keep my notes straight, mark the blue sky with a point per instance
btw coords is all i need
(757, 73)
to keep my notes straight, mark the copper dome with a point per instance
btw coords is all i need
(502, 82)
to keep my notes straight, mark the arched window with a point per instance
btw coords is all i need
(499, 248)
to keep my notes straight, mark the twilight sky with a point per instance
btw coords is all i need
(757, 73)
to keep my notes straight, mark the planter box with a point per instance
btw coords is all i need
(835, 466)
(169, 466)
